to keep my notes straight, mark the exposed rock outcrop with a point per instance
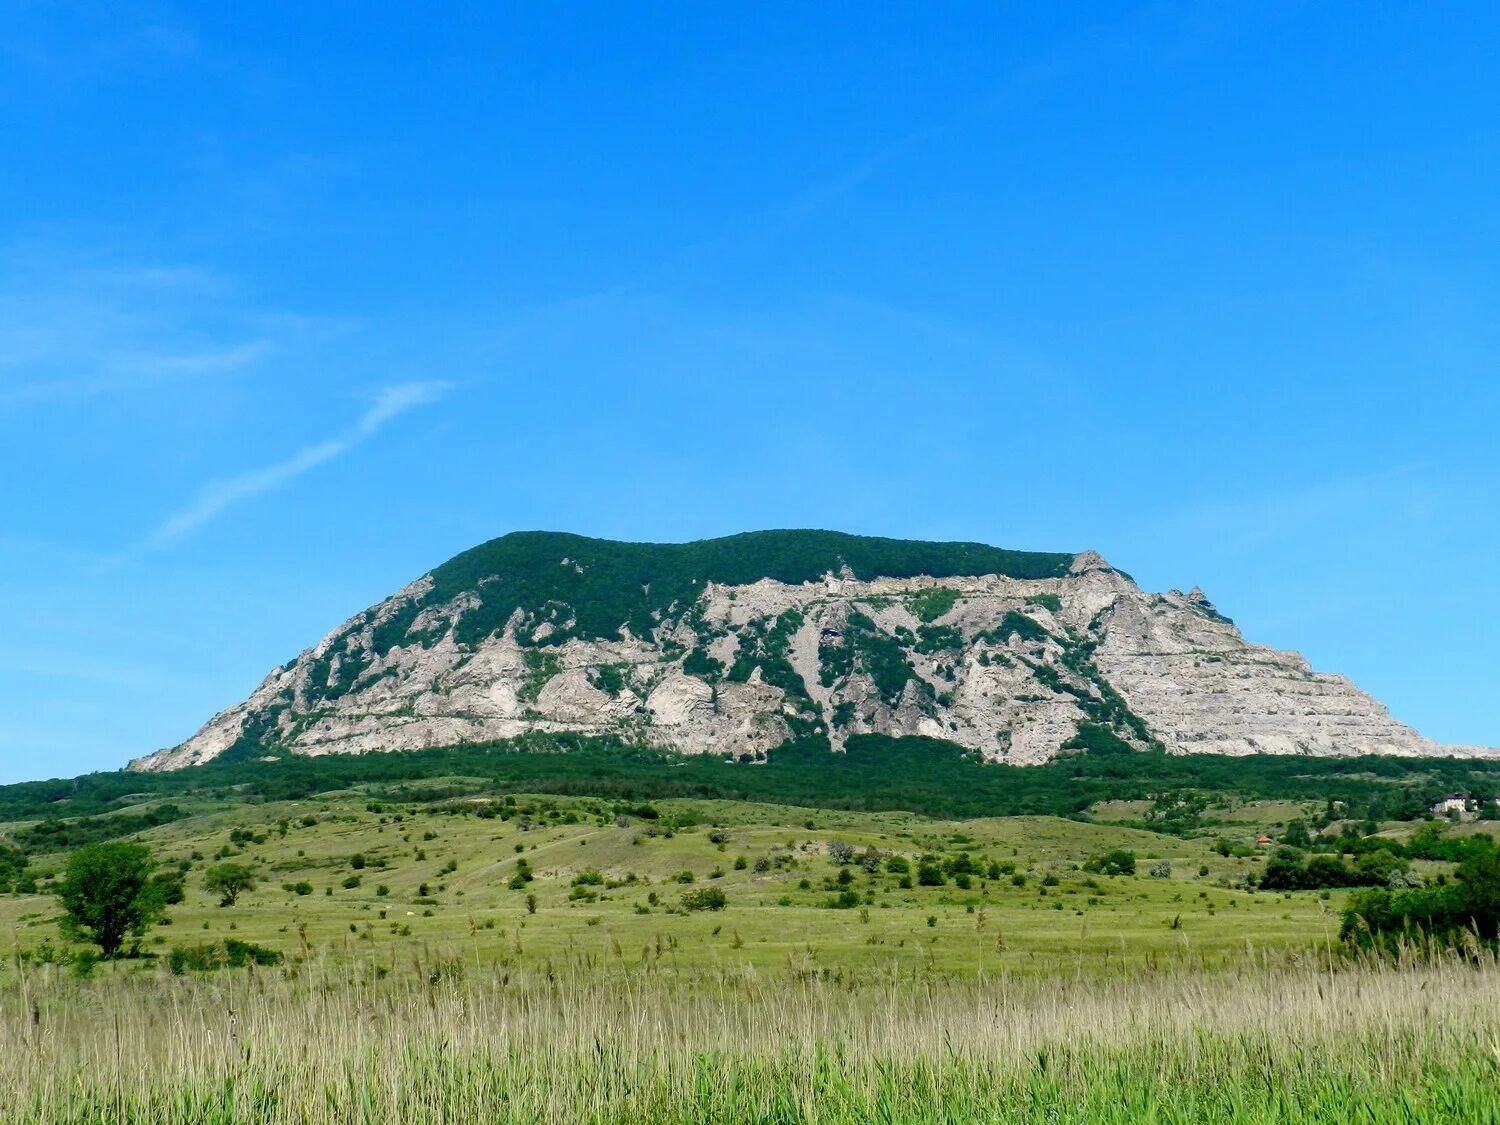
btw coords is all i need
(1048, 653)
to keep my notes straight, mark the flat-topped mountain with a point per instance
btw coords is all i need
(734, 646)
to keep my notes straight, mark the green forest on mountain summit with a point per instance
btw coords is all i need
(600, 588)
(605, 584)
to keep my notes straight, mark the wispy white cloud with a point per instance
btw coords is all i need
(219, 496)
(70, 333)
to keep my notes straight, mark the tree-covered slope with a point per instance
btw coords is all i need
(607, 584)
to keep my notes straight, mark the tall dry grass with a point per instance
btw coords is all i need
(1302, 1041)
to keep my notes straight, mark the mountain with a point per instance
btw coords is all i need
(737, 645)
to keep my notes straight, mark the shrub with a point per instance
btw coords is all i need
(1117, 862)
(705, 898)
(930, 872)
(840, 851)
(521, 877)
(13, 863)
(932, 603)
(231, 953)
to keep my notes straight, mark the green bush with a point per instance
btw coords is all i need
(932, 603)
(704, 898)
(231, 953)
(930, 872)
(1117, 862)
(1470, 904)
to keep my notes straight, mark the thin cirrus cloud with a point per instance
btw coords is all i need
(132, 372)
(220, 496)
(69, 334)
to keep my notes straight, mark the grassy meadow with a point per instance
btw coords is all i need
(314, 1043)
(420, 979)
(433, 875)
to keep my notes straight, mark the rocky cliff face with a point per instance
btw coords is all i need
(735, 646)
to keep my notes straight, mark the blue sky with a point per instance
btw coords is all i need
(295, 304)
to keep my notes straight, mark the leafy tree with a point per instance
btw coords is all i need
(1471, 903)
(170, 887)
(12, 867)
(1375, 868)
(229, 881)
(1480, 876)
(108, 893)
(1284, 871)
(1326, 871)
(1296, 835)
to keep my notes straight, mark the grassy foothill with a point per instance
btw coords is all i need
(427, 952)
(574, 880)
